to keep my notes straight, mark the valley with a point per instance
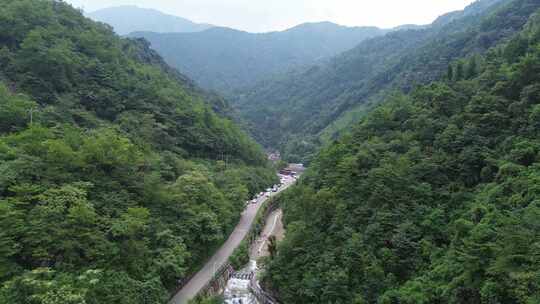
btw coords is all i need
(148, 158)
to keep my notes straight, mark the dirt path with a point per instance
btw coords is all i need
(273, 227)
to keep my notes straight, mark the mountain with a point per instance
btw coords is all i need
(477, 7)
(405, 27)
(128, 19)
(117, 174)
(434, 197)
(301, 110)
(224, 59)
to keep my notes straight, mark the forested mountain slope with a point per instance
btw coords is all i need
(128, 18)
(299, 110)
(117, 178)
(224, 59)
(433, 198)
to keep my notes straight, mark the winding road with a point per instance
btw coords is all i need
(192, 288)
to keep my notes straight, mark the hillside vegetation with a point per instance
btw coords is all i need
(117, 177)
(226, 60)
(300, 111)
(433, 198)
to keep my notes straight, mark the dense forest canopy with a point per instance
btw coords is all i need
(433, 198)
(300, 111)
(117, 175)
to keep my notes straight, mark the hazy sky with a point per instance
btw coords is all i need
(268, 15)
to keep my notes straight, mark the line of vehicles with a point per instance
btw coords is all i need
(284, 179)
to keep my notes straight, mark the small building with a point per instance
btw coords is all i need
(286, 172)
(293, 169)
(297, 168)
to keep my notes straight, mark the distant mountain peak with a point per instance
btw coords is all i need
(475, 8)
(329, 25)
(318, 23)
(119, 7)
(126, 19)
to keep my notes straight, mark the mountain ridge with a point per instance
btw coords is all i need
(225, 59)
(126, 19)
(431, 198)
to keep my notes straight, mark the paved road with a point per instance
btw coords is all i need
(190, 290)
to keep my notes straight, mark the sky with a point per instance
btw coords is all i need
(272, 15)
